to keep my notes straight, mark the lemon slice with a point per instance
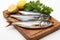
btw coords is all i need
(12, 8)
(21, 3)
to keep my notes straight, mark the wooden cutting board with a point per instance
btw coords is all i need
(35, 34)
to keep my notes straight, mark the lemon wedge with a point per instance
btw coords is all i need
(12, 8)
(21, 3)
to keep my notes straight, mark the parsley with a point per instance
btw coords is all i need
(37, 7)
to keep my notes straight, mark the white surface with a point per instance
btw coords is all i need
(10, 33)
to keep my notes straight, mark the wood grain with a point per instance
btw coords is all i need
(30, 34)
(36, 34)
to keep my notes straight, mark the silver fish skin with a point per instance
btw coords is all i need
(25, 18)
(30, 13)
(46, 24)
(42, 24)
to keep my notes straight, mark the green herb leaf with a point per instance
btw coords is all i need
(38, 7)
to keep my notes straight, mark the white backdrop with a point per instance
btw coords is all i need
(10, 33)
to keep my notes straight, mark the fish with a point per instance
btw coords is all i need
(26, 15)
(46, 24)
(41, 16)
(29, 13)
(25, 18)
(34, 24)
(44, 17)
